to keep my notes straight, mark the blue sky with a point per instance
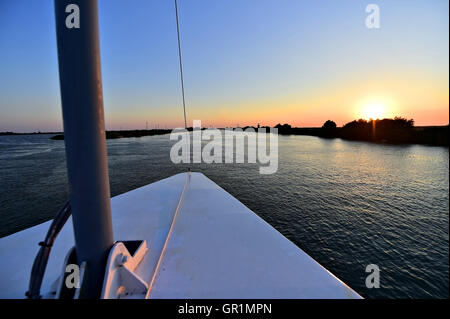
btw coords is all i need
(245, 61)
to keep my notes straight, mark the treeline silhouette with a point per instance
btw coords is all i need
(395, 131)
(124, 134)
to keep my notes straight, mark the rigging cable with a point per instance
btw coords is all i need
(181, 64)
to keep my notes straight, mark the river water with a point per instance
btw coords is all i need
(347, 204)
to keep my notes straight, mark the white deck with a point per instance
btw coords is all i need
(218, 248)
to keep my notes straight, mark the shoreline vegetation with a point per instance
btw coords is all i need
(124, 134)
(391, 131)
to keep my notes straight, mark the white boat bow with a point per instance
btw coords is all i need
(215, 247)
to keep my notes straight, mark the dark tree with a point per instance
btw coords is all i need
(329, 125)
(329, 129)
(397, 130)
(284, 129)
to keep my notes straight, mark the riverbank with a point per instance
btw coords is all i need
(31, 133)
(425, 135)
(378, 133)
(124, 134)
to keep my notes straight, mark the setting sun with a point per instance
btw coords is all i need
(374, 111)
(375, 107)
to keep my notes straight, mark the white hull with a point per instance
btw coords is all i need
(216, 248)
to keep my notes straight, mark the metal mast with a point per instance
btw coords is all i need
(84, 133)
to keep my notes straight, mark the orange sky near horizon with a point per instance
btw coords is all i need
(419, 96)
